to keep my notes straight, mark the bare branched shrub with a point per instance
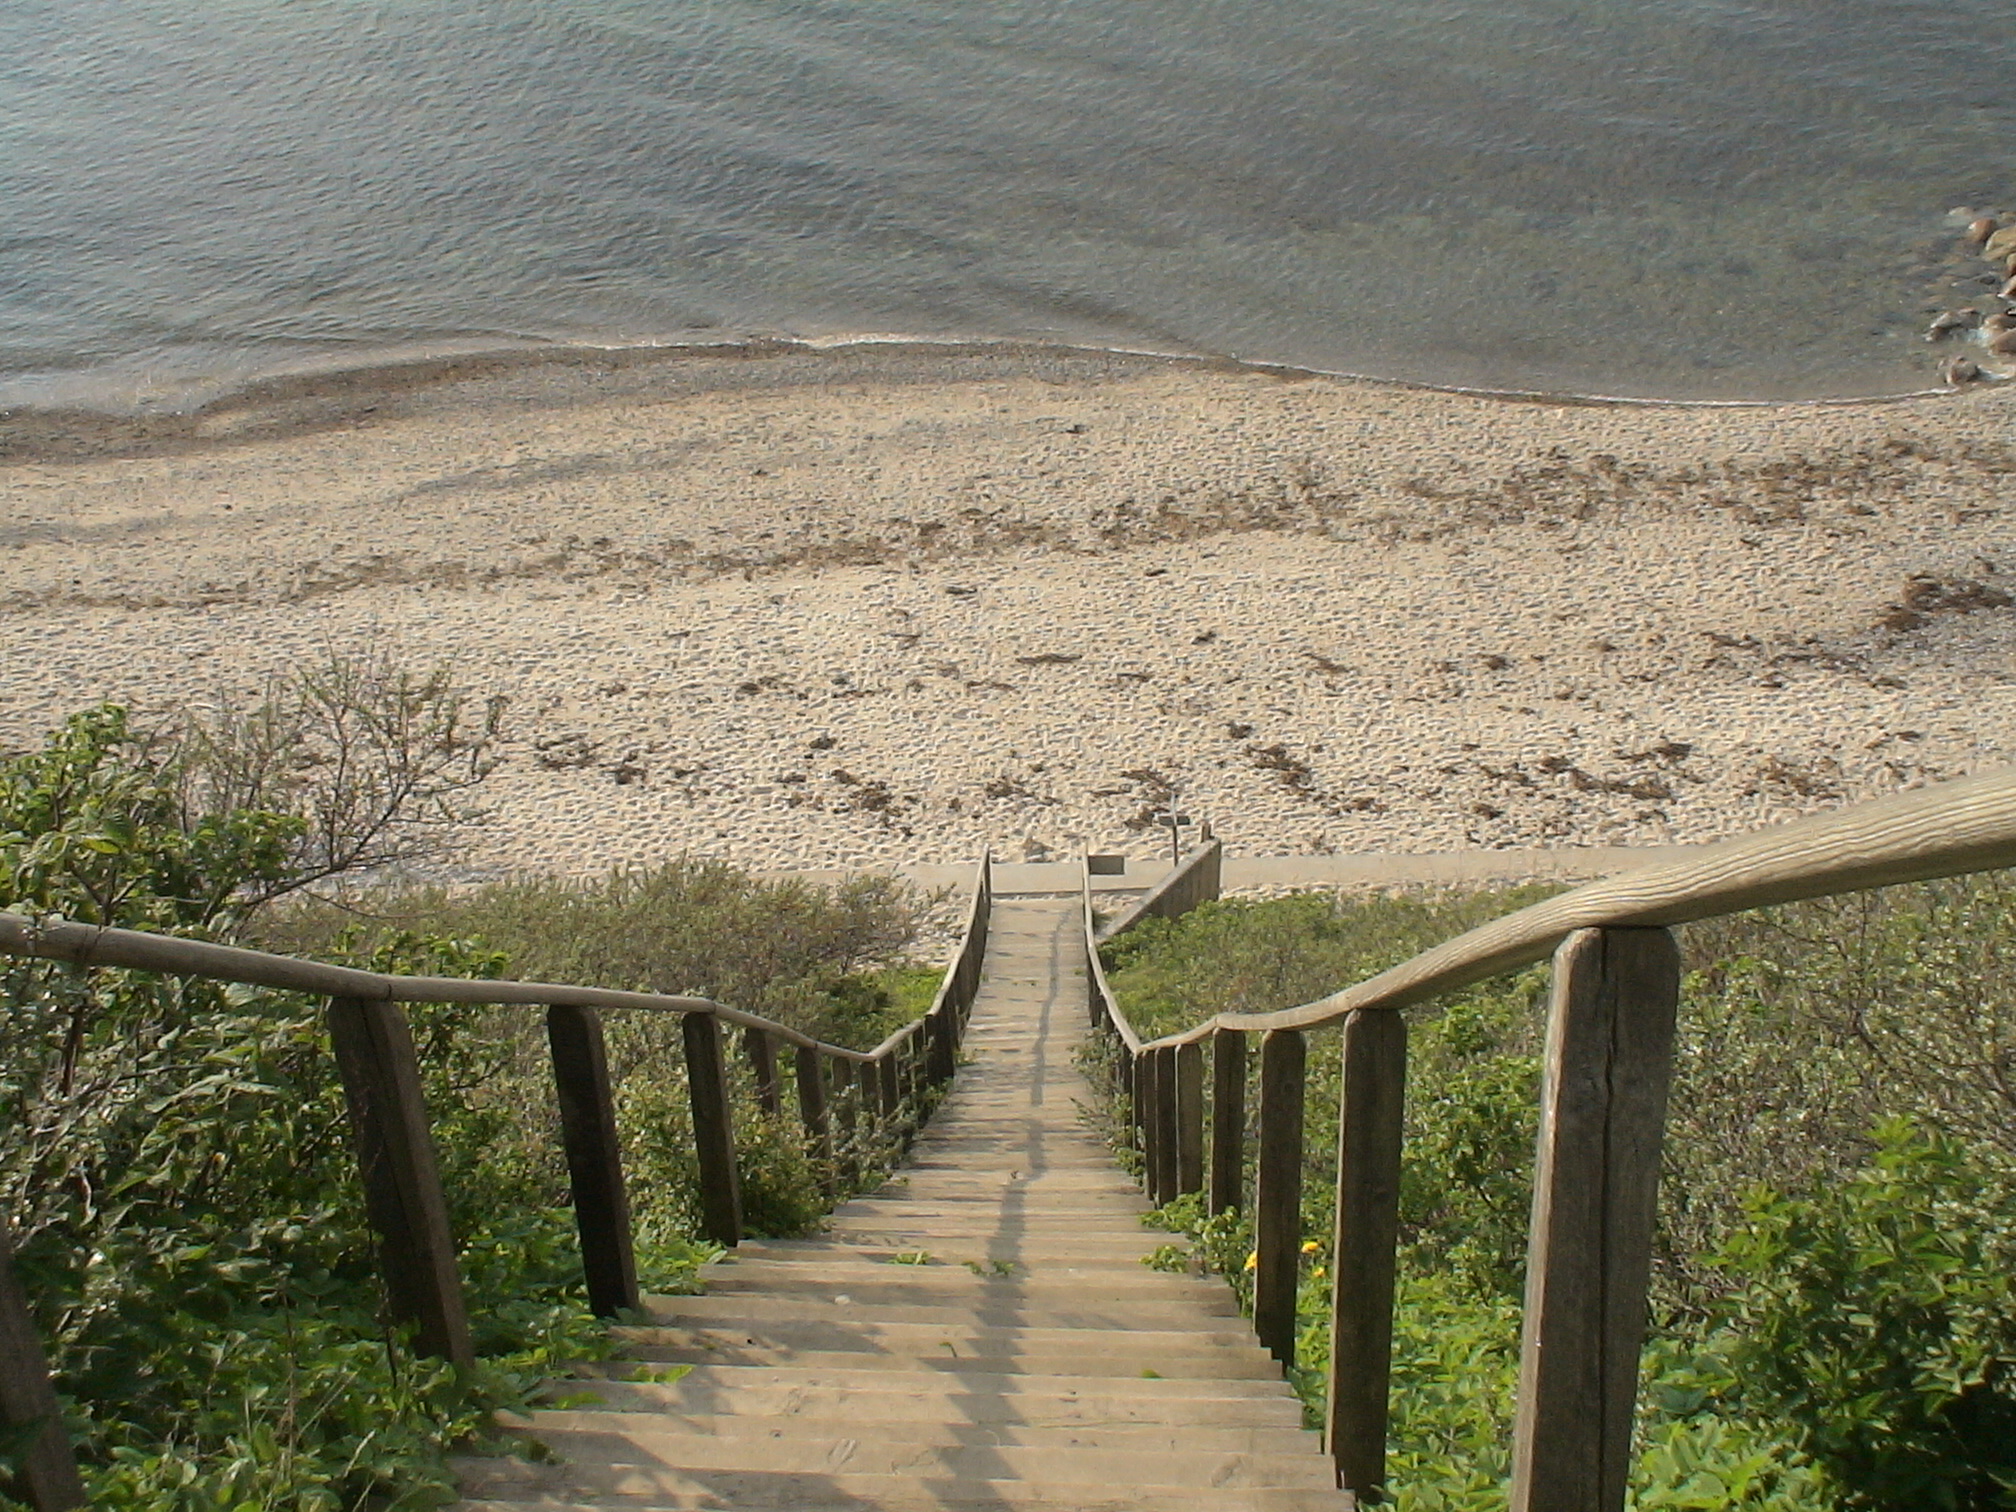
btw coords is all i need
(377, 762)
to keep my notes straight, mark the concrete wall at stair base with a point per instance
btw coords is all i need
(1194, 880)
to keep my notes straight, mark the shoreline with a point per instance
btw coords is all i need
(873, 605)
(298, 401)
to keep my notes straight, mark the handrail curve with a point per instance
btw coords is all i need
(1192, 880)
(1944, 830)
(964, 964)
(1103, 1004)
(139, 950)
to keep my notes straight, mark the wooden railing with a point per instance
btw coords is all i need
(1193, 880)
(1607, 1067)
(873, 1097)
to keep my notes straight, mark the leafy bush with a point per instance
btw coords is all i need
(1803, 1027)
(826, 960)
(1876, 1316)
(1471, 1119)
(1253, 956)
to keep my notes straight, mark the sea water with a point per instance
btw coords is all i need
(1676, 198)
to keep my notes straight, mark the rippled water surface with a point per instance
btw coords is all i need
(1660, 197)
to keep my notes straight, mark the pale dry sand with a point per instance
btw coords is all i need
(880, 604)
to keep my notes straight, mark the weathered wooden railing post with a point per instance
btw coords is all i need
(943, 1055)
(840, 1098)
(1602, 1119)
(402, 1174)
(1189, 1061)
(1277, 1199)
(1372, 1083)
(1143, 1089)
(868, 1103)
(916, 1070)
(713, 1130)
(812, 1111)
(1166, 1130)
(889, 1088)
(762, 1053)
(1146, 1068)
(1228, 1122)
(46, 1467)
(594, 1158)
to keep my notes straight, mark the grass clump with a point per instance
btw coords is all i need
(1832, 1321)
(826, 960)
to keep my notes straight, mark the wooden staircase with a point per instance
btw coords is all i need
(978, 1334)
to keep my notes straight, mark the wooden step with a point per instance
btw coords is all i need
(997, 1215)
(845, 1306)
(1210, 1394)
(1114, 1207)
(982, 1256)
(939, 1341)
(1008, 1176)
(1123, 1365)
(572, 1488)
(998, 1428)
(647, 1440)
(883, 1396)
(1121, 1249)
(1215, 1332)
(1047, 1281)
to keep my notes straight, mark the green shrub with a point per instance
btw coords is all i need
(1877, 1318)
(1471, 1118)
(1257, 956)
(175, 1155)
(827, 960)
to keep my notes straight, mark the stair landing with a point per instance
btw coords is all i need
(978, 1334)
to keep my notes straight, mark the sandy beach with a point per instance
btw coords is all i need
(883, 604)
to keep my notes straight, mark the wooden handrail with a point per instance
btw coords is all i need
(1941, 831)
(880, 1091)
(1194, 879)
(1164, 1090)
(1608, 1064)
(962, 976)
(137, 950)
(1104, 1007)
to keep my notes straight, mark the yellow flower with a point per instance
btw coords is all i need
(1253, 1261)
(1310, 1246)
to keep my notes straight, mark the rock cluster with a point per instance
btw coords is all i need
(1988, 323)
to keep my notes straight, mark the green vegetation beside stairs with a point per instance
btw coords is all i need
(1834, 1320)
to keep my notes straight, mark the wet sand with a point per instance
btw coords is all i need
(881, 604)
